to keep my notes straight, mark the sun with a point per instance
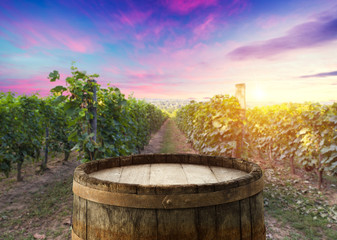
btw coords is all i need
(259, 94)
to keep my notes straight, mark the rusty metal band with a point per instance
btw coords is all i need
(74, 236)
(174, 201)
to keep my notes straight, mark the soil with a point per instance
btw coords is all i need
(17, 199)
(156, 141)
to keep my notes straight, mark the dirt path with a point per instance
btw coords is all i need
(156, 141)
(168, 134)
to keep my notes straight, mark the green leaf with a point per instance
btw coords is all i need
(53, 76)
(58, 89)
(59, 99)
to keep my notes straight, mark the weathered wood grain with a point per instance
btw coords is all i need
(198, 174)
(167, 174)
(79, 217)
(105, 221)
(135, 174)
(177, 224)
(246, 226)
(224, 174)
(228, 221)
(257, 217)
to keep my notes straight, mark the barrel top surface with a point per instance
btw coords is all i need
(167, 174)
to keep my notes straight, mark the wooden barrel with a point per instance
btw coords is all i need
(168, 196)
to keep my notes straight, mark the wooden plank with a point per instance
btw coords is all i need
(79, 217)
(177, 224)
(206, 217)
(135, 174)
(110, 174)
(111, 222)
(167, 174)
(198, 174)
(257, 217)
(228, 221)
(246, 227)
(226, 174)
(174, 224)
(206, 223)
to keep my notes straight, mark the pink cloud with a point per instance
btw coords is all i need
(236, 6)
(270, 21)
(204, 29)
(33, 84)
(31, 33)
(176, 43)
(186, 6)
(22, 86)
(134, 17)
(82, 44)
(111, 69)
(148, 77)
(150, 90)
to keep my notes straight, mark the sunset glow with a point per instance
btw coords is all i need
(259, 94)
(175, 49)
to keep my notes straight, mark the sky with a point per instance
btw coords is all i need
(284, 51)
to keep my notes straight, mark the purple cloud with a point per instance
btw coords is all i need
(305, 35)
(136, 77)
(186, 6)
(28, 33)
(134, 17)
(324, 74)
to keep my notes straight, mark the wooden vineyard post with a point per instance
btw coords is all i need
(93, 111)
(44, 163)
(240, 94)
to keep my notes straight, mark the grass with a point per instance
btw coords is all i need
(309, 215)
(168, 141)
(49, 198)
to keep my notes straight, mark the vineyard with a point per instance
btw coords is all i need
(80, 116)
(297, 134)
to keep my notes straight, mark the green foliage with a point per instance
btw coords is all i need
(305, 133)
(124, 126)
(21, 130)
(318, 137)
(77, 103)
(213, 126)
(272, 131)
(57, 121)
